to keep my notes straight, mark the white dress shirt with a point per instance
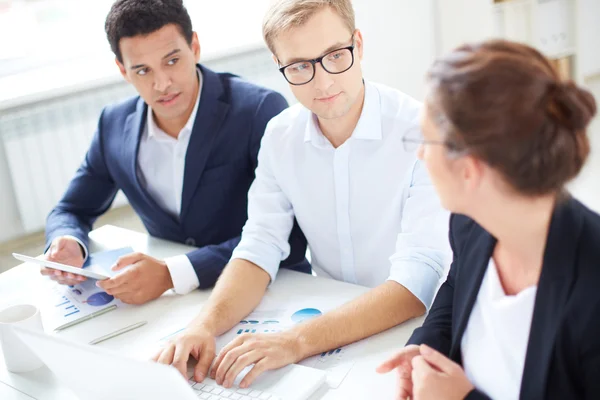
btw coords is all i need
(495, 341)
(355, 203)
(161, 167)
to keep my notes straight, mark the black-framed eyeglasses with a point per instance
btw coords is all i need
(335, 62)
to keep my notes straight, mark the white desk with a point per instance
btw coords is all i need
(172, 311)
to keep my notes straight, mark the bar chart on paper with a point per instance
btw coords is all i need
(66, 307)
(334, 362)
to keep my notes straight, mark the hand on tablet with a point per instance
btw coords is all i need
(141, 278)
(67, 251)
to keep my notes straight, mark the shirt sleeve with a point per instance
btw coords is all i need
(270, 216)
(422, 247)
(182, 273)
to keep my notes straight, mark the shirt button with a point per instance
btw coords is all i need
(190, 241)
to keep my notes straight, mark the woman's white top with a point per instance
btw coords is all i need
(494, 344)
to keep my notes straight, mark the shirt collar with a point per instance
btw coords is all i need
(158, 134)
(367, 128)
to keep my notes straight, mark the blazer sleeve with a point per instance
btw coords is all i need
(477, 395)
(436, 331)
(590, 357)
(89, 195)
(209, 261)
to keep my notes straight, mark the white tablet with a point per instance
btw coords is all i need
(87, 272)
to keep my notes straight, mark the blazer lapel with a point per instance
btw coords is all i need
(134, 128)
(478, 252)
(210, 116)
(554, 288)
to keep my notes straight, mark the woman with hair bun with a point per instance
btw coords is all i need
(519, 314)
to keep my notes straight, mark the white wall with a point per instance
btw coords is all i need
(399, 42)
(588, 35)
(461, 21)
(10, 224)
(586, 186)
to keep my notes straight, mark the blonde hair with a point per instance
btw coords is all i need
(286, 14)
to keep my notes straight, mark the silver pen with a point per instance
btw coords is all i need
(119, 332)
(87, 318)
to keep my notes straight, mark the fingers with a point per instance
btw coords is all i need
(403, 356)
(48, 271)
(178, 353)
(157, 355)
(260, 367)
(122, 291)
(405, 388)
(62, 278)
(231, 345)
(74, 277)
(207, 355)
(180, 358)
(166, 355)
(391, 363)
(420, 369)
(114, 283)
(228, 360)
(68, 282)
(244, 360)
(127, 260)
(437, 360)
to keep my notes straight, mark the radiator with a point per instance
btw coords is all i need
(45, 143)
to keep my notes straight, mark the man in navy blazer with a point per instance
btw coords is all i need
(183, 152)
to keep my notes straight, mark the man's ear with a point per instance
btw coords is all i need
(196, 48)
(359, 43)
(122, 69)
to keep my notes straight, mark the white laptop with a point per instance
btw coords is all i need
(97, 374)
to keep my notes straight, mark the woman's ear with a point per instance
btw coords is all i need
(472, 172)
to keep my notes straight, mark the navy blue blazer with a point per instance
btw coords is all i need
(563, 353)
(219, 168)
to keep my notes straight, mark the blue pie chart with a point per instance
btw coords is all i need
(99, 299)
(305, 314)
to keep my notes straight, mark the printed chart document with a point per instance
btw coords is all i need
(69, 305)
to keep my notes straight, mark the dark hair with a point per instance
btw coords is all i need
(128, 18)
(505, 104)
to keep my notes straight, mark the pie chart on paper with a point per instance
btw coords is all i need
(305, 314)
(99, 299)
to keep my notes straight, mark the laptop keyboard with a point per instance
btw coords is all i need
(209, 390)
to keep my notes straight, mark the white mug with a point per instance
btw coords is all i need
(17, 355)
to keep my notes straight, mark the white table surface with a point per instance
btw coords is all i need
(173, 311)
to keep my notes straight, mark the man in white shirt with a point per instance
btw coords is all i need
(336, 162)
(183, 152)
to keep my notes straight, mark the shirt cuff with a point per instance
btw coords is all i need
(83, 247)
(420, 278)
(262, 254)
(182, 273)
